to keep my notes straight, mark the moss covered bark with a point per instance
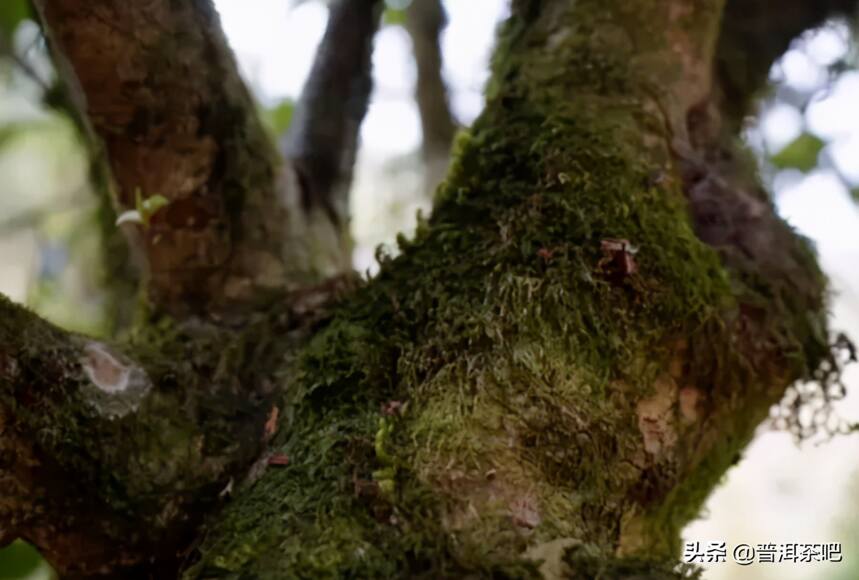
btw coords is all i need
(548, 380)
(557, 359)
(110, 454)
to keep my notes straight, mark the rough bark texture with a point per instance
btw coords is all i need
(517, 382)
(549, 379)
(161, 91)
(108, 460)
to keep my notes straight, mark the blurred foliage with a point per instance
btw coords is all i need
(801, 153)
(12, 13)
(798, 86)
(21, 560)
(394, 17)
(278, 117)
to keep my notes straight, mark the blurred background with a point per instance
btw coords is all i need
(806, 136)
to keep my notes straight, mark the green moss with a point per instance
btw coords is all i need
(588, 564)
(515, 342)
(462, 326)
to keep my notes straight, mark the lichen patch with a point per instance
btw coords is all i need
(116, 385)
(104, 369)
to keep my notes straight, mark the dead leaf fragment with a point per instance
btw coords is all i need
(279, 459)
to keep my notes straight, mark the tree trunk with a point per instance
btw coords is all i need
(549, 379)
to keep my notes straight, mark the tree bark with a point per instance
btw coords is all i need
(548, 380)
(160, 89)
(556, 360)
(425, 20)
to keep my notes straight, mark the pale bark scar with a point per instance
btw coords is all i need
(104, 370)
(656, 417)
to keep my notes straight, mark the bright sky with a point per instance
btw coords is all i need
(275, 41)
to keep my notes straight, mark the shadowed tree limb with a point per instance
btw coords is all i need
(425, 20)
(731, 211)
(109, 460)
(323, 138)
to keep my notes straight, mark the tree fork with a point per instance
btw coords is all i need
(552, 375)
(159, 87)
(567, 358)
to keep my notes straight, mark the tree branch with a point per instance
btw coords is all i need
(158, 86)
(109, 461)
(323, 138)
(754, 35)
(425, 20)
(520, 379)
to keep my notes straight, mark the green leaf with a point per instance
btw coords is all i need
(19, 560)
(801, 153)
(394, 17)
(144, 209)
(12, 13)
(279, 117)
(151, 205)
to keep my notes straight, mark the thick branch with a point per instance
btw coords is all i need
(159, 87)
(557, 359)
(425, 20)
(109, 461)
(323, 138)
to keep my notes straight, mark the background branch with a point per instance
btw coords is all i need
(425, 21)
(323, 137)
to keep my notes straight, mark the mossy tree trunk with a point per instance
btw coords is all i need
(549, 379)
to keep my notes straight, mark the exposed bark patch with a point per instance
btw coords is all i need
(104, 370)
(690, 398)
(158, 86)
(120, 386)
(656, 418)
(551, 556)
(8, 366)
